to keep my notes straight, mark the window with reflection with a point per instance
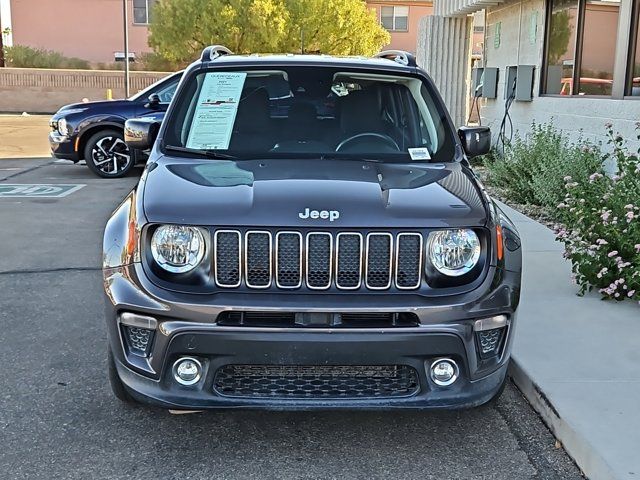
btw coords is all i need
(634, 70)
(581, 47)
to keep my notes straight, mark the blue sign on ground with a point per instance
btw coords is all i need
(37, 190)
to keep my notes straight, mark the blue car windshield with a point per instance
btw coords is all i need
(303, 111)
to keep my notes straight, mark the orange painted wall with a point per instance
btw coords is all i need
(88, 29)
(405, 40)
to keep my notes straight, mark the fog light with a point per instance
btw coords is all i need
(187, 371)
(444, 372)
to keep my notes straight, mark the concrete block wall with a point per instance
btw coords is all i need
(35, 90)
(578, 116)
(451, 35)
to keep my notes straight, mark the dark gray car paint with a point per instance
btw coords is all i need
(271, 192)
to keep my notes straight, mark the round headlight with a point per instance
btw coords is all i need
(176, 248)
(453, 252)
(62, 126)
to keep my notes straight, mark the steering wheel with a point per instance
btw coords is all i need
(379, 136)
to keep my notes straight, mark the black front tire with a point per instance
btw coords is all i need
(117, 387)
(107, 155)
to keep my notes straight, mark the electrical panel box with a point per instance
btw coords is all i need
(488, 78)
(519, 83)
(524, 83)
(510, 82)
(476, 81)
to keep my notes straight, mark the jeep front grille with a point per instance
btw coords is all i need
(318, 260)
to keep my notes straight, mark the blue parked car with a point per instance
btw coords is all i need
(93, 131)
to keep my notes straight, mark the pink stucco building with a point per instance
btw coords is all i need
(401, 18)
(92, 29)
(87, 29)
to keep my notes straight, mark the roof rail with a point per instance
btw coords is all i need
(398, 56)
(214, 51)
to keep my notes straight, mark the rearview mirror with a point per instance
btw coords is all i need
(141, 133)
(154, 101)
(475, 140)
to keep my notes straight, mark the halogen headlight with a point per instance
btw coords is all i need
(453, 252)
(176, 248)
(62, 126)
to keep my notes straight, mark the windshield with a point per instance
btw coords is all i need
(309, 111)
(166, 93)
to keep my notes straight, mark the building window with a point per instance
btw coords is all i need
(142, 11)
(395, 18)
(633, 86)
(581, 46)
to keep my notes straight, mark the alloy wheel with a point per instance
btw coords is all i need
(111, 155)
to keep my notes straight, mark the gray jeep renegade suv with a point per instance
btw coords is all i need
(307, 233)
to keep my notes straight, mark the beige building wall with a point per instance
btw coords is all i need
(522, 27)
(87, 29)
(408, 40)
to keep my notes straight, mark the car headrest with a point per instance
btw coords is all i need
(253, 111)
(360, 111)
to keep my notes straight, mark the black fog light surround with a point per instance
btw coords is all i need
(138, 332)
(490, 334)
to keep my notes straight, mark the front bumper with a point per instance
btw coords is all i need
(187, 327)
(63, 146)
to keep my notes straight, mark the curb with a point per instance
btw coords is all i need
(588, 459)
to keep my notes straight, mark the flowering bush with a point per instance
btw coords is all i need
(533, 167)
(601, 225)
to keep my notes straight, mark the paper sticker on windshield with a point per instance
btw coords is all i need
(216, 111)
(419, 154)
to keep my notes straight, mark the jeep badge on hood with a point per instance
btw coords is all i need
(330, 214)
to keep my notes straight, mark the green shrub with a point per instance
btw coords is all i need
(532, 169)
(21, 56)
(601, 226)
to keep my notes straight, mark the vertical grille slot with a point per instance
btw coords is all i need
(379, 253)
(349, 261)
(319, 260)
(408, 261)
(288, 259)
(227, 258)
(258, 259)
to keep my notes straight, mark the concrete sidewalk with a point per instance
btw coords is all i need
(577, 359)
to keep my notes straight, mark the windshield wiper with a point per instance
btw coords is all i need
(367, 158)
(201, 153)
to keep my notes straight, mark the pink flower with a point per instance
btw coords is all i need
(637, 247)
(631, 293)
(612, 254)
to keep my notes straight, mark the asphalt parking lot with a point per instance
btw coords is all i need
(58, 418)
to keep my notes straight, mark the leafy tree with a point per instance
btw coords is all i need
(181, 29)
(559, 36)
(338, 27)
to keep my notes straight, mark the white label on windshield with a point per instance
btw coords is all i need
(419, 154)
(216, 110)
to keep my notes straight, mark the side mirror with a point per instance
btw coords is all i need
(141, 133)
(475, 140)
(154, 101)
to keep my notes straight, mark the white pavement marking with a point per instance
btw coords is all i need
(38, 190)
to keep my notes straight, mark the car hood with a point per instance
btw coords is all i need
(279, 192)
(98, 103)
